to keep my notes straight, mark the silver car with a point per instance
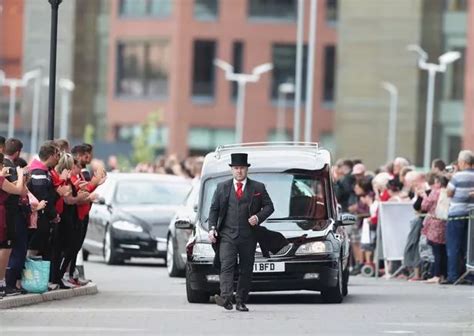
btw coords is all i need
(179, 231)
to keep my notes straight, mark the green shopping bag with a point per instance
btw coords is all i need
(35, 276)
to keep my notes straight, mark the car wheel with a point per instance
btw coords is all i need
(335, 294)
(172, 262)
(110, 256)
(85, 254)
(345, 282)
(195, 296)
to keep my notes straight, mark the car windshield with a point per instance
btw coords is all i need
(296, 197)
(151, 192)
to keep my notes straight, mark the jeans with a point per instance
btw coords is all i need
(456, 242)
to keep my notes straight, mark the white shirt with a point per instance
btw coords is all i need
(244, 182)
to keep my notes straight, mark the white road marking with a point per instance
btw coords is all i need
(399, 332)
(97, 310)
(69, 329)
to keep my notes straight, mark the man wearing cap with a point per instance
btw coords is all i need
(238, 206)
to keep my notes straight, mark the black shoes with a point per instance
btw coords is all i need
(8, 291)
(241, 307)
(220, 301)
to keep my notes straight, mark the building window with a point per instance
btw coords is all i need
(456, 91)
(143, 8)
(456, 5)
(329, 73)
(157, 137)
(206, 10)
(237, 60)
(331, 11)
(272, 9)
(284, 67)
(207, 139)
(142, 69)
(203, 68)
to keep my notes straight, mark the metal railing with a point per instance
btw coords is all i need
(470, 249)
(286, 145)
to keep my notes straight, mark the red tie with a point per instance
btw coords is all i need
(239, 191)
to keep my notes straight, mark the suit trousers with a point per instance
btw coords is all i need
(229, 249)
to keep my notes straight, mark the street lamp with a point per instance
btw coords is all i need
(67, 86)
(13, 84)
(242, 80)
(283, 90)
(432, 69)
(52, 65)
(310, 77)
(299, 72)
(392, 120)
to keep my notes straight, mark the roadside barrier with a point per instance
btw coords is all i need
(470, 249)
(392, 232)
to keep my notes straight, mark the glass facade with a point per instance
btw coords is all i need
(284, 67)
(329, 73)
(238, 62)
(203, 69)
(142, 68)
(331, 11)
(207, 139)
(206, 10)
(273, 9)
(144, 8)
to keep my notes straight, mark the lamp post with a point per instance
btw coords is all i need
(432, 68)
(299, 72)
(14, 84)
(35, 113)
(66, 86)
(283, 90)
(392, 120)
(52, 65)
(310, 77)
(242, 80)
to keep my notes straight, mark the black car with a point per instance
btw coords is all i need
(131, 215)
(298, 179)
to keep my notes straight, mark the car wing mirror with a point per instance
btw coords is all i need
(346, 219)
(183, 223)
(100, 200)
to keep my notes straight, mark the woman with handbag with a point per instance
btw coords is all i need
(434, 229)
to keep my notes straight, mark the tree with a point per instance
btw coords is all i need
(89, 134)
(143, 146)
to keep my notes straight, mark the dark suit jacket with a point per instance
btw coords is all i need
(260, 202)
(260, 205)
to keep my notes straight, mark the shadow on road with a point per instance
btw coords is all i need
(159, 263)
(298, 298)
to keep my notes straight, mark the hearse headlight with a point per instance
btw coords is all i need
(317, 247)
(202, 250)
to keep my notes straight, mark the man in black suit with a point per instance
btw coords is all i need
(239, 205)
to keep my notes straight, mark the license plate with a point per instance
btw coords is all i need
(268, 267)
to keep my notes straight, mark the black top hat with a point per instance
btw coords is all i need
(239, 159)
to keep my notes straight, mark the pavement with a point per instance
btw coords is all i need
(139, 299)
(30, 299)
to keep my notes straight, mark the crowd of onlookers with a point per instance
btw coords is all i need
(435, 251)
(165, 164)
(45, 204)
(44, 210)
